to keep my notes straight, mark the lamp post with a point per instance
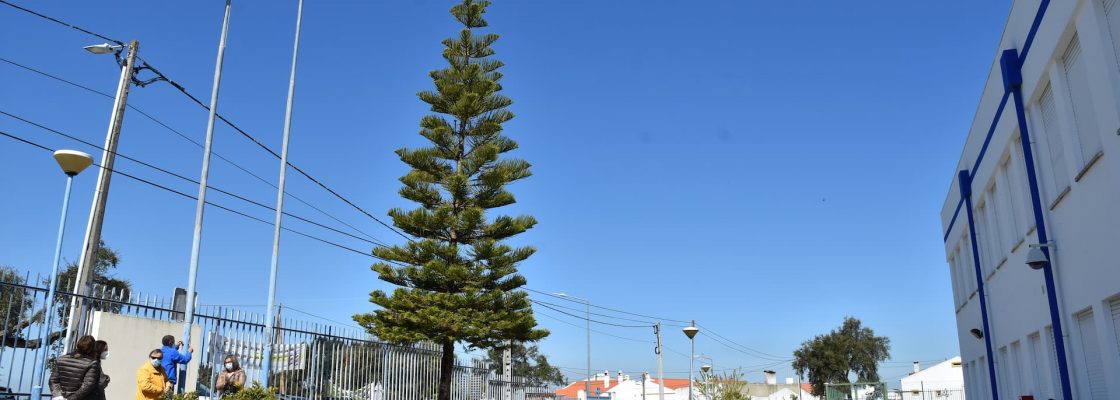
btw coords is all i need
(586, 302)
(72, 163)
(92, 238)
(707, 377)
(691, 332)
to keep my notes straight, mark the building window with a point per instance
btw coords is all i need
(1010, 204)
(1112, 14)
(1051, 127)
(1003, 372)
(1017, 369)
(985, 378)
(1081, 101)
(1114, 308)
(1041, 386)
(1017, 184)
(1052, 365)
(1091, 356)
(968, 261)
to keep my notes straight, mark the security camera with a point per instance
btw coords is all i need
(1036, 259)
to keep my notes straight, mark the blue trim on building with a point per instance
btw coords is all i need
(965, 182)
(1040, 229)
(1011, 67)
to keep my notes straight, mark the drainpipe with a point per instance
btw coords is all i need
(1013, 82)
(965, 181)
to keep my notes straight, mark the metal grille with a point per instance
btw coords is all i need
(310, 360)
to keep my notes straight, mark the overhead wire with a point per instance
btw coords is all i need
(587, 319)
(610, 309)
(163, 77)
(374, 242)
(240, 213)
(192, 141)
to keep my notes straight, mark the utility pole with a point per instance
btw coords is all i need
(273, 271)
(196, 243)
(645, 377)
(660, 369)
(100, 197)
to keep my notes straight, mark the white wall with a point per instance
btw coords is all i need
(1084, 222)
(130, 340)
(948, 375)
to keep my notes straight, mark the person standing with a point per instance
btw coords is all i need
(232, 378)
(101, 348)
(172, 357)
(75, 376)
(151, 378)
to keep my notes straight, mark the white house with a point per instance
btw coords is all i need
(946, 377)
(1041, 164)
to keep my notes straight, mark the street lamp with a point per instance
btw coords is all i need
(101, 194)
(586, 302)
(72, 163)
(103, 48)
(691, 332)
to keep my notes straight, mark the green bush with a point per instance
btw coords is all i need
(254, 392)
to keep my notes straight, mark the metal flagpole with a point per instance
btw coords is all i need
(280, 201)
(192, 276)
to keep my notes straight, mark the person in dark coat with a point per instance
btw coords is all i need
(76, 375)
(101, 348)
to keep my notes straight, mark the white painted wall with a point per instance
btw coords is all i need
(130, 340)
(1084, 222)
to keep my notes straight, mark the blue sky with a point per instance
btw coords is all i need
(765, 168)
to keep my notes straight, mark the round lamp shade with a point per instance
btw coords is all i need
(705, 368)
(691, 331)
(72, 162)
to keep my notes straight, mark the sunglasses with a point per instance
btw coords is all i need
(156, 358)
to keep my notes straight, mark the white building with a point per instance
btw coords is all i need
(1059, 88)
(945, 378)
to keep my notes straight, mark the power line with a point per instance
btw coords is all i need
(167, 189)
(598, 314)
(161, 76)
(231, 194)
(587, 319)
(68, 25)
(188, 139)
(595, 331)
(612, 309)
(760, 354)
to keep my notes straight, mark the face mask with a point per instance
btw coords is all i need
(155, 363)
(229, 366)
(105, 354)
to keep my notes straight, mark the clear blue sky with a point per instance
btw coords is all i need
(764, 168)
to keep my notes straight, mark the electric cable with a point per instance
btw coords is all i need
(188, 139)
(587, 319)
(219, 190)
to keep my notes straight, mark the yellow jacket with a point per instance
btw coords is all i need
(150, 382)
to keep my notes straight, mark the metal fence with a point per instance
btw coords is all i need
(310, 360)
(856, 391)
(929, 394)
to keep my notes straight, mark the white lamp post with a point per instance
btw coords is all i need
(72, 163)
(691, 332)
(588, 304)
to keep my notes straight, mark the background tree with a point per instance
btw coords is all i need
(19, 316)
(726, 386)
(528, 363)
(458, 281)
(851, 349)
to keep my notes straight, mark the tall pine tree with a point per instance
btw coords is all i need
(458, 281)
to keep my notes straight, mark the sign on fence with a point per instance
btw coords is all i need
(285, 357)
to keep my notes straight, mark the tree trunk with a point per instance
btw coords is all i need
(447, 361)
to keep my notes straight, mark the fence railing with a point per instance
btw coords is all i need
(310, 360)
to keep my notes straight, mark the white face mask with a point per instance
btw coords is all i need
(105, 354)
(229, 366)
(155, 363)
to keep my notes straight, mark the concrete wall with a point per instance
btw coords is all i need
(130, 340)
(1083, 221)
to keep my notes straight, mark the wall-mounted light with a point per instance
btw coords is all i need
(977, 333)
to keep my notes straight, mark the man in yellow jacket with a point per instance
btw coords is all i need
(151, 380)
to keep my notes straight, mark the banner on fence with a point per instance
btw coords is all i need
(285, 357)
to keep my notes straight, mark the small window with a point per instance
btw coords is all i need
(1052, 130)
(1079, 84)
